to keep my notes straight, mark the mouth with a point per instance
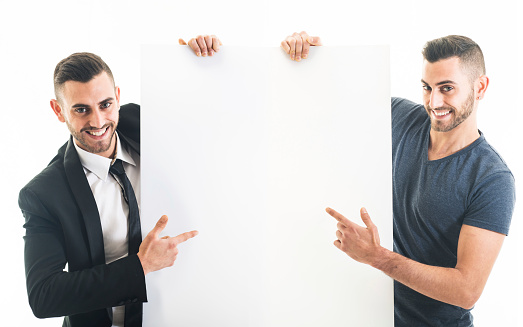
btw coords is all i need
(440, 114)
(98, 133)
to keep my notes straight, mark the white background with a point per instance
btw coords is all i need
(35, 35)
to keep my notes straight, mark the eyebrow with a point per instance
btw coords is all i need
(448, 81)
(81, 105)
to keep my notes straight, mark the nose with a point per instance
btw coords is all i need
(97, 118)
(436, 99)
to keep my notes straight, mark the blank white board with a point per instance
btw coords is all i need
(249, 148)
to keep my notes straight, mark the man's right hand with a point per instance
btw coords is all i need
(203, 45)
(297, 45)
(156, 253)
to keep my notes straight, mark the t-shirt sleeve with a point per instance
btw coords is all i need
(405, 116)
(400, 109)
(492, 203)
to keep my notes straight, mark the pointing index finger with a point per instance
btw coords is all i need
(184, 236)
(338, 216)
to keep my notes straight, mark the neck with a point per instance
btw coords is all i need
(443, 144)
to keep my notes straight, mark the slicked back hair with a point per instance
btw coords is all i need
(468, 52)
(80, 67)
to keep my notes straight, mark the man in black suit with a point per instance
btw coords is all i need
(76, 209)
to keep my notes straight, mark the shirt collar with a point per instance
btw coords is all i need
(99, 165)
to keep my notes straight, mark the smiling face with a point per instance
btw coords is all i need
(448, 94)
(90, 111)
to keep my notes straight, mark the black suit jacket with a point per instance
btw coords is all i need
(63, 227)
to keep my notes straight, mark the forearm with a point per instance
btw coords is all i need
(461, 285)
(65, 293)
(449, 285)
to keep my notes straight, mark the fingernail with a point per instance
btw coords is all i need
(211, 53)
(292, 57)
(204, 54)
(363, 210)
(304, 56)
(198, 54)
(298, 58)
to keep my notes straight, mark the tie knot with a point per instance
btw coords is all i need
(117, 168)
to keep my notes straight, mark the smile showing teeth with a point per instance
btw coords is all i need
(440, 113)
(100, 133)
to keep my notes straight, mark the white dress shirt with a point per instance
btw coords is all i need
(112, 208)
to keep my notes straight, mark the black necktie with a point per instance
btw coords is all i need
(133, 311)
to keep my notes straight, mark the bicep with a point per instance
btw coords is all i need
(44, 252)
(44, 257)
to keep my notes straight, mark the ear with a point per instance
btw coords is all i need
(481, 86)
(117, 94)
(57, 110)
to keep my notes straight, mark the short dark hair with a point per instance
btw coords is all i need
(79, 67)
(468, 51)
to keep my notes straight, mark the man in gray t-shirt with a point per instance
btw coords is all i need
(433, 199)
(453, 195)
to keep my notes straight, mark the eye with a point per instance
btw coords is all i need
(426, 87)
(447, 88)
(105, 105)
(81, 110)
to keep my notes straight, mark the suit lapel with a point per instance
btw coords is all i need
(86, 203)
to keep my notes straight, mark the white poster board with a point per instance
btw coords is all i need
(249, 148)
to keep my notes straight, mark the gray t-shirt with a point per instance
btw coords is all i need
(433, 199)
